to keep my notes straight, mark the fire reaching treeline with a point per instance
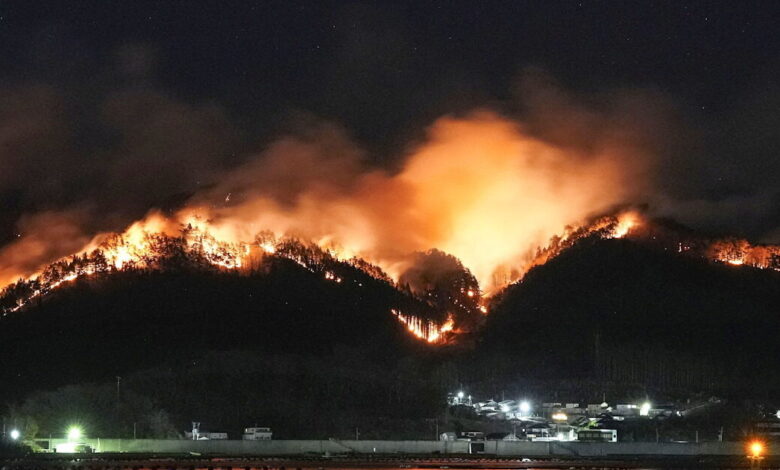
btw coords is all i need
(474, 206)
(437, 279)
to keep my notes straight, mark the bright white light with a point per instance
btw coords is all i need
(15, 434)
(778, 414)
(74, 433)
(460, 395)
(504, 408)
(66, 448)
(525, 407)
(644, 410)
(559, 417)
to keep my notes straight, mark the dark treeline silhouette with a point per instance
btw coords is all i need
(134, 317)
(626, 312)
(445, 285)
(298, 395)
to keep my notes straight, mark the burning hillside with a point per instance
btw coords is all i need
(158, 242)
(479, 188)
(436, 278)
(473, 208)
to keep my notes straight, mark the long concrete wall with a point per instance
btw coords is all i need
(498, 448)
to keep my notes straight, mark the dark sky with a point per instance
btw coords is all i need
(72, 73)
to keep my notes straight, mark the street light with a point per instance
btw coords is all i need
(15, 434)
(644, 410)
(756, 448)
(74, 433)
(525, 407)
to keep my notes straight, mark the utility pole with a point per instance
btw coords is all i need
(118, 380)
(357, 434)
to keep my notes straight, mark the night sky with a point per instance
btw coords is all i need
(219, 80)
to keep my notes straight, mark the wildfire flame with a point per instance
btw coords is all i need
(626, 222)
(479, 188)
(142, 245)
(426, 330)
(737, 252)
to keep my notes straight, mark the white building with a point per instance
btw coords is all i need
(257, 434)
(205, 436)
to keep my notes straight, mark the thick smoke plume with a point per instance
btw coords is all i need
(479, 187)
(488, 187)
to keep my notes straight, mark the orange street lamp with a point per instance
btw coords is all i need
(756, 449)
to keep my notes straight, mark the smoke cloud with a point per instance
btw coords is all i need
(477, 187)
(488, 186)
(42, 237)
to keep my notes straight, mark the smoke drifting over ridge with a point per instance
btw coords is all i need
(477, 188)
(482, 186)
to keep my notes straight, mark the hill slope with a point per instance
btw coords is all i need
(104, 326)
(622, 310)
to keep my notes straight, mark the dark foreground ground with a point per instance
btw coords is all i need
(196, 462)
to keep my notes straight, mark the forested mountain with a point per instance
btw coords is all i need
(314, 350)
(626, 311)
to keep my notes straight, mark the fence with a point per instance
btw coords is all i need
(333, 446)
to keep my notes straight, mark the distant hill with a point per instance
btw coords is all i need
(631, 311)
(103, 326)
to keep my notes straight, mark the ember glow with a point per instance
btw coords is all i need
(426, 330)
(739, 252)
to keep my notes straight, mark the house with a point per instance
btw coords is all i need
(486, 406)
(768, 428)
(197, 435)
(473, 435)
(257, 434)
(206, 436)
(507, 405)
(448, 436)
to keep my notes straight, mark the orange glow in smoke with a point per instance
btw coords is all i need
(479, 188)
